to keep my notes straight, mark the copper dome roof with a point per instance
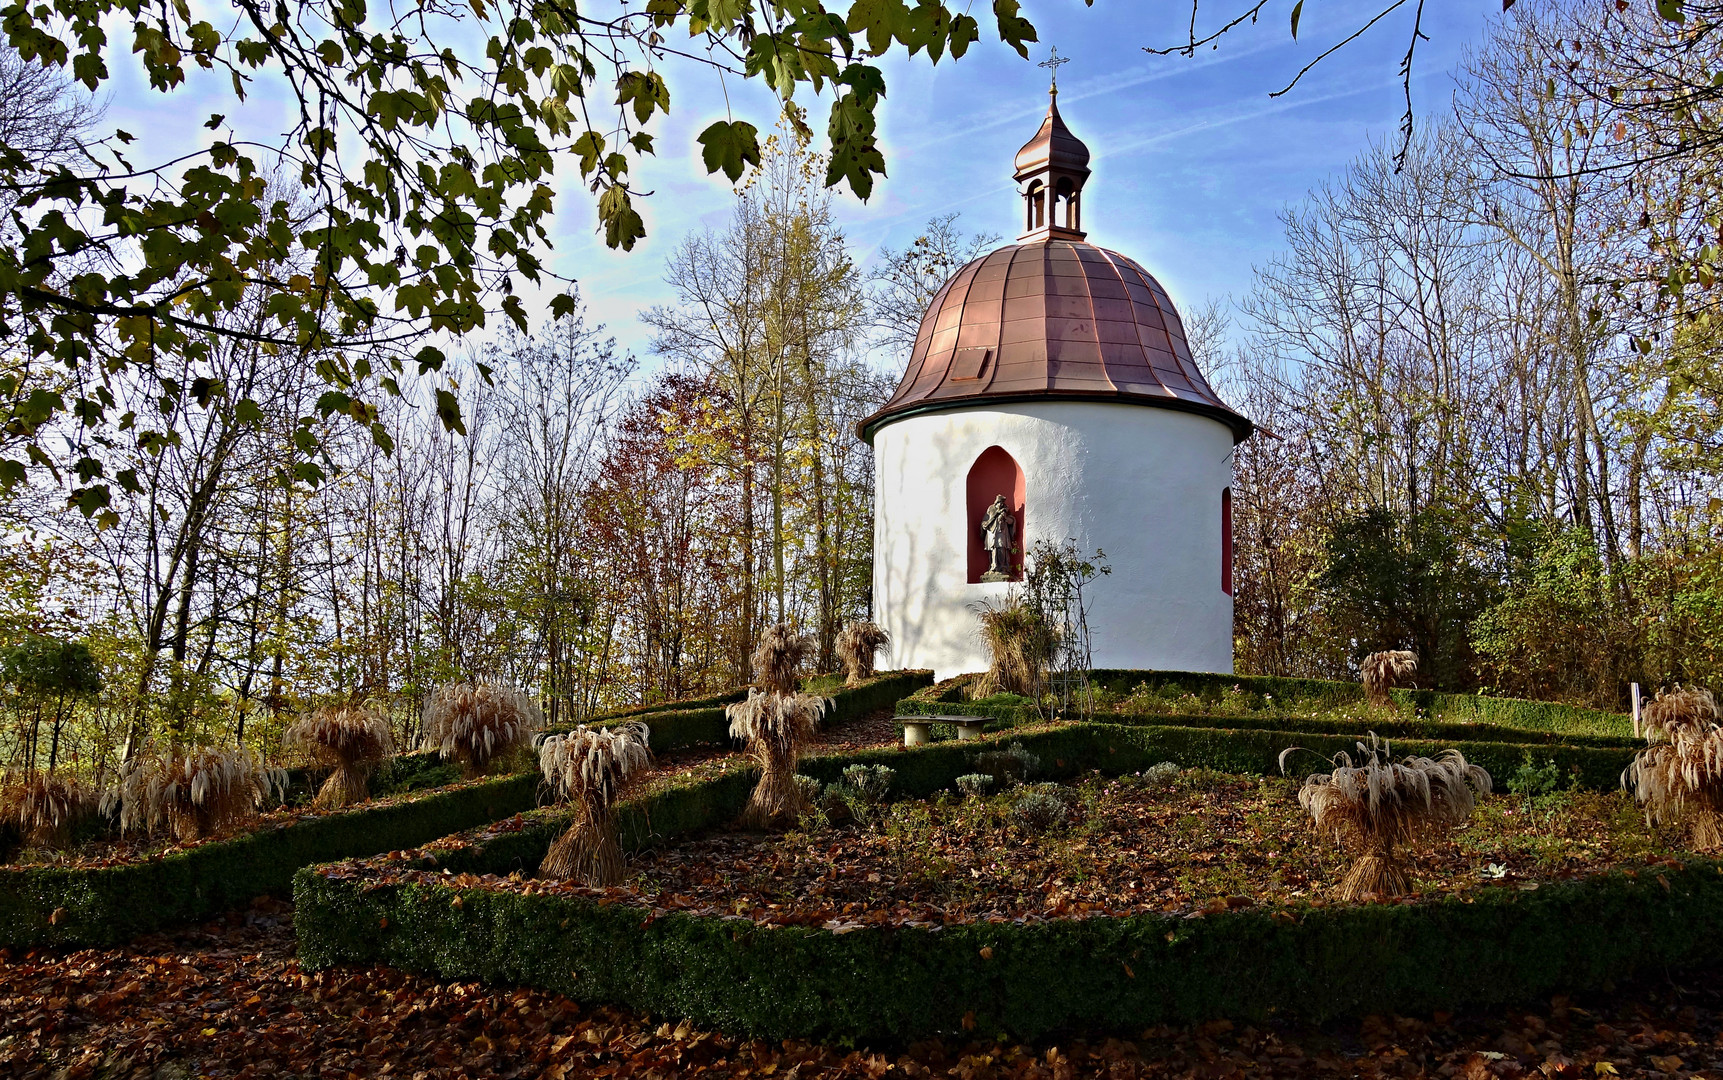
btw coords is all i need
(1053, 319)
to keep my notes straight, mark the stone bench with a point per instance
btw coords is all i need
(919, 729)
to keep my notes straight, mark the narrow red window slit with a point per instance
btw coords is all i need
(1226, 540)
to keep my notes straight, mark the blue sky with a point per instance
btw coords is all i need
(1192, 159)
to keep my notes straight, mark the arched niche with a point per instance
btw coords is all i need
(994, 473)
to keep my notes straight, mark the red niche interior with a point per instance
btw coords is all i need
(1226, 540)
(994, 473)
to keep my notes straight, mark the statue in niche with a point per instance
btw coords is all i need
(999, 537)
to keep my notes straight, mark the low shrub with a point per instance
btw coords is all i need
(1042, 807)
(871, 783)
(974, 785)
(1160, 775)
(1012, 765)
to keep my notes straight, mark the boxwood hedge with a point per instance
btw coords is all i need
(1444, 715)
(1322, 693)
(1011, 712)
(707, 725)
(48, 905)
(1026, 981)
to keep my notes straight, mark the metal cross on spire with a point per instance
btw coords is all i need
(1052, 64)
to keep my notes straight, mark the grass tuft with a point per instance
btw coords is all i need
(1678, 778)
(857, 646)
(1382, 671)
(478, 722)
(1380, 804)
(196, 793)
(587, 769)
(350, 739)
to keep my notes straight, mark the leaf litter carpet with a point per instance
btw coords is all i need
(228, 1000)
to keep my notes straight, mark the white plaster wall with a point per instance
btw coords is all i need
(1142, 484)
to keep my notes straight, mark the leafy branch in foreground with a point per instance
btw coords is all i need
(423, 149)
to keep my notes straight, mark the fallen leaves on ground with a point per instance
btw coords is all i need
(229, 1000)
(1202, 843)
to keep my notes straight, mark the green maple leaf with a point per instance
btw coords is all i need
(729, 145)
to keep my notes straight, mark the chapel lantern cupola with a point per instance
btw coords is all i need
(1051, 170)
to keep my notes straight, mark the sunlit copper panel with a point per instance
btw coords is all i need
(1052, 319)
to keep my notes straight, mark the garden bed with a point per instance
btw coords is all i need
(70, 905)
(1192, 841)
(1103, 955)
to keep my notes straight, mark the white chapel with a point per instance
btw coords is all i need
(1053, 375)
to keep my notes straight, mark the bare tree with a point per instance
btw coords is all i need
(904, 282)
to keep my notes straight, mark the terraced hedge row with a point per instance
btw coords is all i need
(1013, 711)
(1322, 693)
(94, 907)
(1024, 981)
(706, 725)
(1444, 715)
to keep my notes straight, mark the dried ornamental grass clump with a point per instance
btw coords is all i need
(1019, 646)
(857, 647)
(477, 722)
(1380, 804)
(776, 726)
(587, 768)
(1383, 671)
(350, 739)
(1679, 777)
(41, 808)
(1682, 707)
(194, 793)
(778, 659)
